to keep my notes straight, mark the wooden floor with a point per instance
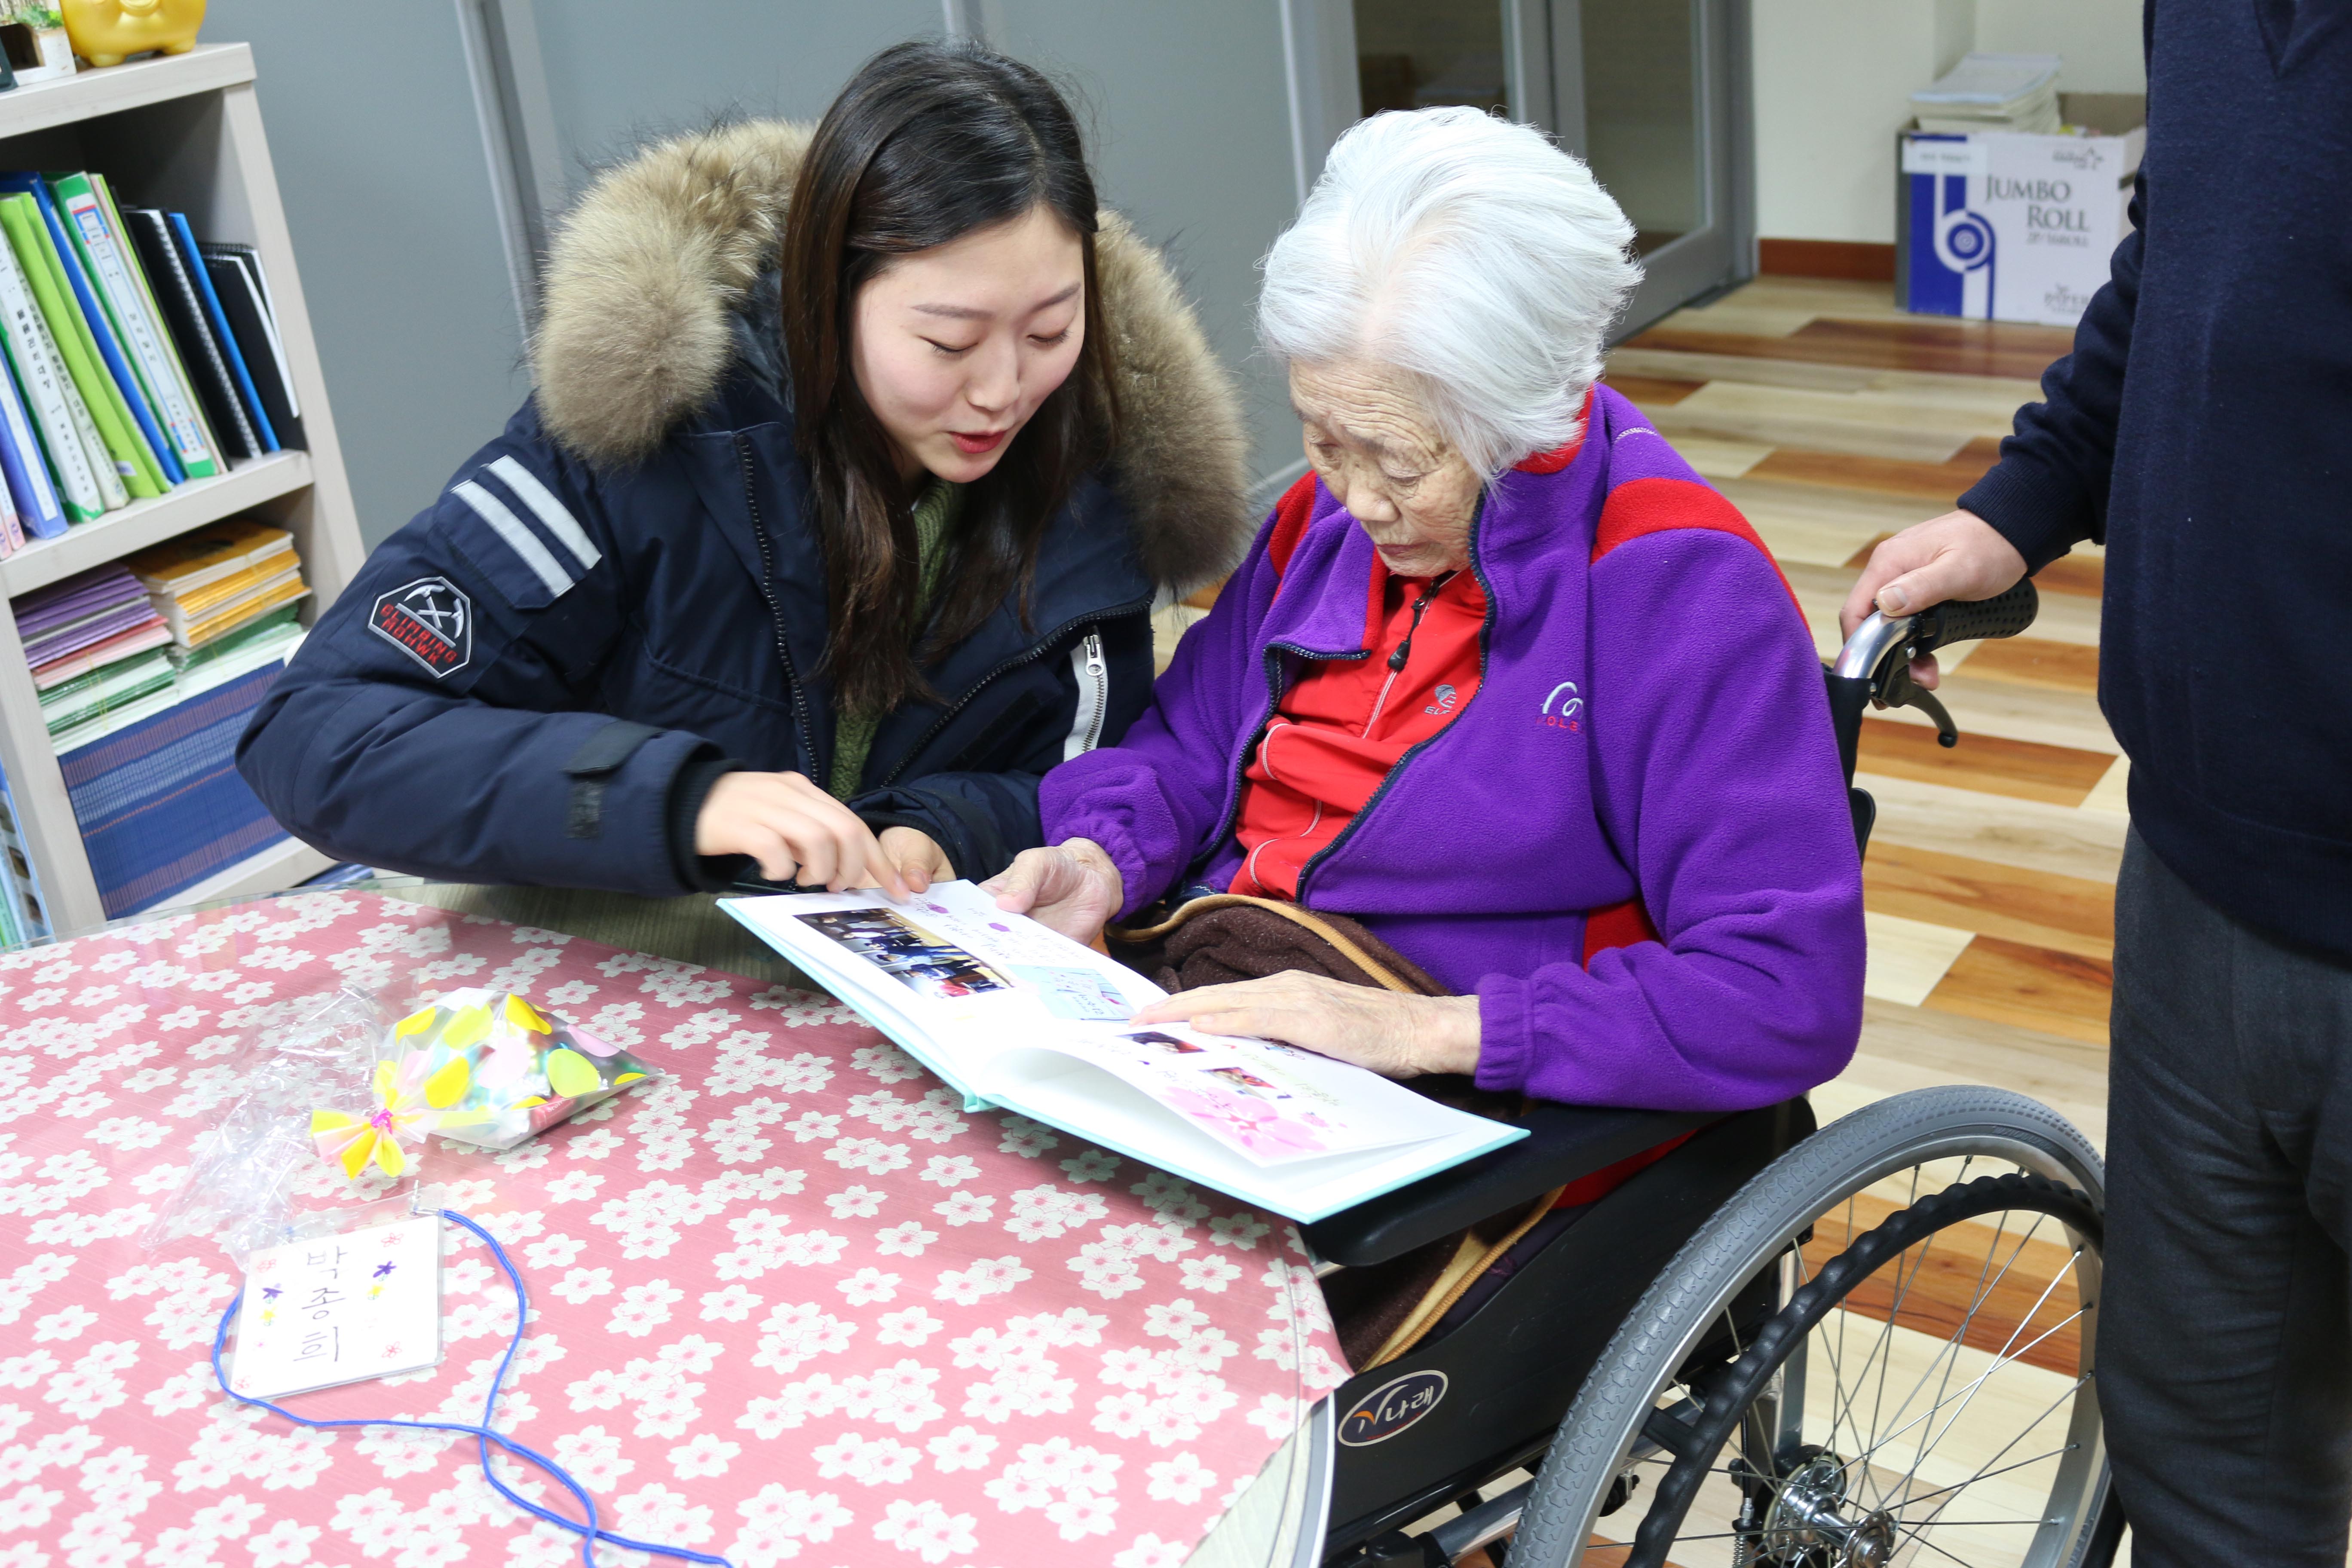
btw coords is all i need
(1830, 419)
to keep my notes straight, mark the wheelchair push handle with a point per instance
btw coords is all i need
(1875, 665)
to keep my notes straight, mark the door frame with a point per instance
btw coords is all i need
(1543, 73)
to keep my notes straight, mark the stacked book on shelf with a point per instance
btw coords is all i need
(137, 358)
(148, 670)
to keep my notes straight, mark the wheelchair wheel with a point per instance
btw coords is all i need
(1880, 1353)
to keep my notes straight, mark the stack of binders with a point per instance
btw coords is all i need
(137, 359)
(149, 670)
(85, 625)
(218, 580)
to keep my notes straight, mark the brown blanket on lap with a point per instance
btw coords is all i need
(1384, 1310)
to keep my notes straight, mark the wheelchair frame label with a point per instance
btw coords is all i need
(1391, 1408)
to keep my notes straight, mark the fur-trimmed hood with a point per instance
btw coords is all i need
(647, 272)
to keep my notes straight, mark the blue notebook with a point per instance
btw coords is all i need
(26, 470)
(1014, 1017)
(101, 328)
(218, 319)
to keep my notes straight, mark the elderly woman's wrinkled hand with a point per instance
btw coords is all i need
(1073, 886)
(1394, 1034)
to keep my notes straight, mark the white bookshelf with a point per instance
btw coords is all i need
(182, 132)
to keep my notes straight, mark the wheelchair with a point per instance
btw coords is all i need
(1777, 1346)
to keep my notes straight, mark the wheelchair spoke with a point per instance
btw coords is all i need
(1853, 1446)
(1950, 1361)
(1990, 1474)
(2005, 1359)
(1969, 1393)
(1985, 1470)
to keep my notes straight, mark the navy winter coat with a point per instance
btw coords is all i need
(538, 679)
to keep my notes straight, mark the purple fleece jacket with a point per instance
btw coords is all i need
(1650, 721)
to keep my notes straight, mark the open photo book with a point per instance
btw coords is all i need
(1016, 1016)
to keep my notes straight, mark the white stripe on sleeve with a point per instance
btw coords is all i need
(551, 511)
(518, 538)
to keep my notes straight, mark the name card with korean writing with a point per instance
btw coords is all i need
(341, 1308)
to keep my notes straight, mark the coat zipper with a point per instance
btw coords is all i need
(776, 614)
(1093, 670)
(1274, 652)
(1035, 651)
(1485, 638)
(1403, 654)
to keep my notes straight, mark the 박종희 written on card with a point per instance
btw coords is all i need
(340, 1309)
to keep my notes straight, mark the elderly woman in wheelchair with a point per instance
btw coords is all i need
(1504, 762)
(1503, 681)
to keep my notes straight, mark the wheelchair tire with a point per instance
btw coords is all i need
(1730, 1321)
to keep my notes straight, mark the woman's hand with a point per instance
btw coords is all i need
(1074, 888)
(1395, 1034)
(795, 831)
(919, 860)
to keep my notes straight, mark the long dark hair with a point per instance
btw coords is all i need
(927, 142)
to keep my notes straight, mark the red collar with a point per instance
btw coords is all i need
(1559, 457)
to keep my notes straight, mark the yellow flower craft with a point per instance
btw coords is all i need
(409, 1104)
(482, 1067)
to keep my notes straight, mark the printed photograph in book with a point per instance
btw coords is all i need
(925, 963)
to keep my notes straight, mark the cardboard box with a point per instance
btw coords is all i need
(2014, 227)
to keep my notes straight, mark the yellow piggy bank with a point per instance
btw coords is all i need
(105, 32)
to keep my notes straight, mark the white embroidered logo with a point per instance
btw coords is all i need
(1569, 704)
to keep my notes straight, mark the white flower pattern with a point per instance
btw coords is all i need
(967, 1338)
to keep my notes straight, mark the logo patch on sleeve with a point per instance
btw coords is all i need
(430, 620)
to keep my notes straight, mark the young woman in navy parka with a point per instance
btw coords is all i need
(856, 464)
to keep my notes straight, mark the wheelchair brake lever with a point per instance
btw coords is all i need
(1881, 651)
(1896, 688)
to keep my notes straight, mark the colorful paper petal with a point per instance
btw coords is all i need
(526, 1102)
(469, 1025)
(355, 1156)
(419, 1020)
(327, 1121)
(569, 1073)
(447, 1087)
(582, 1040)
(523, 1013)
(627, 1078)
(388, 1157)
(506, 1061)
(385, 1074)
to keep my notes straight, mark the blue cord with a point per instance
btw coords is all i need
(590, 1533)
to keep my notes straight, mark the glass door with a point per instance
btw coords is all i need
(1652, 93)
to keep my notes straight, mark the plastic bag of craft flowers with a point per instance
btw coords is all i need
(337, 1099)
(485, 1067)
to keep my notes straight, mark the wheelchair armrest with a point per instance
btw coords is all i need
(1563, 1142)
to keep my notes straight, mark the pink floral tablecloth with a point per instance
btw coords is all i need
(790, 1305)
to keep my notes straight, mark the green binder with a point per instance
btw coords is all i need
(94, 412)
(97, 229)
(132, 467)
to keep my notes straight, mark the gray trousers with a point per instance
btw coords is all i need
(2225, 1333)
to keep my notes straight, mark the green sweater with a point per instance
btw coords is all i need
(936, 511)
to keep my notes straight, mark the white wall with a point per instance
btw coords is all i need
(1835, 78)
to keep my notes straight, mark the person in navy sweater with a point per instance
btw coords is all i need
(2202, 430)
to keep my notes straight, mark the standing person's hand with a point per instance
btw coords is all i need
(1958, 556)
(920, 861)
(795, 831)
(1074, 888)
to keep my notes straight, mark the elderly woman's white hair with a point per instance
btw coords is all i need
(1468, 252)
